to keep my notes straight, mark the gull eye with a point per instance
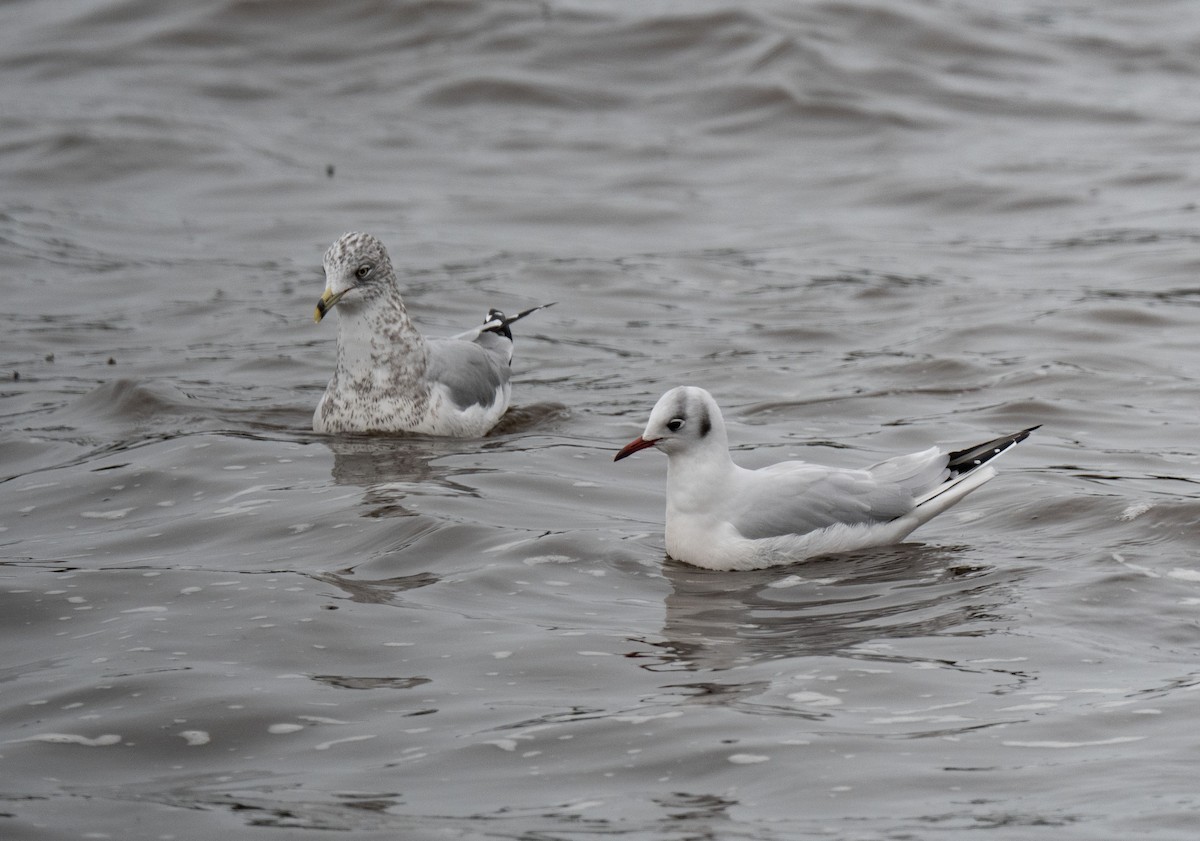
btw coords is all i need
(675, 424)
(363, 271)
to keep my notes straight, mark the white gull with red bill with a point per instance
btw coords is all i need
(725, 517)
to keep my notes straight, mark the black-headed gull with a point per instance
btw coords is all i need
(722, 516)
(389, 378)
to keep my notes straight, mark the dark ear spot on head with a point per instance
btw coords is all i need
(705, 423)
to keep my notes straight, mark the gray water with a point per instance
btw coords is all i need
(866, 227)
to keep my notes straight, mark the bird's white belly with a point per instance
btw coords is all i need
(718, 545)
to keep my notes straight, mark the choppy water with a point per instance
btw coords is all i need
(867, 227)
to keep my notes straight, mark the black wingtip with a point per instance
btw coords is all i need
(501, 321)
(966, 460)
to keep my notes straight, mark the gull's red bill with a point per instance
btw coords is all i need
(633, 446)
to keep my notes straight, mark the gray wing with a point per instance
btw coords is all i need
(473, 373)
(796, 498)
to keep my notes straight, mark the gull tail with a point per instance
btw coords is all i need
(497, 322)
(968, 471)
(964, 461)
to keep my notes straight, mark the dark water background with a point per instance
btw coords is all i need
(867, 227)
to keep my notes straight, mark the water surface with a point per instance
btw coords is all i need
(865, 227)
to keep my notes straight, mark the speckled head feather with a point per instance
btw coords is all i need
(354, 248)
(357, 263)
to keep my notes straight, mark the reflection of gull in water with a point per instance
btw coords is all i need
(376, 590)
(389, 470)
(366, 460)
(722, 516)
(389, 378)
(717, 621)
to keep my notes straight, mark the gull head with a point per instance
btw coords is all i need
(357, 269)
(685, 419)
